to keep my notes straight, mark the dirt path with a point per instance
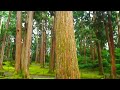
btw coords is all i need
(41, 77)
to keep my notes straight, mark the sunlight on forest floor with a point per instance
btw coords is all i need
(36, 72)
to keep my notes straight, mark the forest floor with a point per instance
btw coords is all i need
(42, 73)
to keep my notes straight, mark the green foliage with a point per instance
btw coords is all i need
(105, 54)
(118, 68)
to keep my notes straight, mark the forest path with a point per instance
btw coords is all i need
(41, 77)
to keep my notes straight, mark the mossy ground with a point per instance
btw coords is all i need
(36, 72)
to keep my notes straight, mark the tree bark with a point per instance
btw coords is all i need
(52, 52)
(85, 62)
(28, 44)
(118, 23)
(101, 71)
(3, 42)
(66, 56)
(43, 45)
(37, 52)
(18, 43)
(113, 67)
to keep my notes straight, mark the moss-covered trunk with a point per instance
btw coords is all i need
(66, 56)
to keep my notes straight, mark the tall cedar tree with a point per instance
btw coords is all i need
(66, 56)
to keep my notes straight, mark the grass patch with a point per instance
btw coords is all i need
(35, 69)
(88, 74)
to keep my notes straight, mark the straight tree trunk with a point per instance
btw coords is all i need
(101, 71)
(52, 52)
(13, 49)
(98, 44)
(85, 62)
(113, 67)
(37, 52)
(24, 43)
(28, 44)
(8, 49)
(80, 47)
(66, 56)
(18, 43)
(3, 42)
(118, 23)
(43, 45)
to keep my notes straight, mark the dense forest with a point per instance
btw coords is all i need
(59, 44)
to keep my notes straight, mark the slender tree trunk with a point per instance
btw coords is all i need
(66, 56)
(3, 42)
(101, 71)
(52, 52)
(80, 47)
(113, 67)
(118, 23)
(41, 50)
(85, 62)
(18, 43)
(43, 46)
(8, 48)
(93, 54)
(37, 52)
(28, 44)
(13, 49)
(98, 44)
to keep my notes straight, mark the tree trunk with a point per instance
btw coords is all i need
(3, 42)
(13, 50)
(43, 45)
(52, 52)
(118, 23)
(80, 47)
(28, 43)
(113, 67)
(37, 53)
(8, 49)
(18, 43)
(85, 62)
(24, 43)
(66, 56)
(101, 71)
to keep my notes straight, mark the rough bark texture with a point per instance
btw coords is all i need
(66, 56)
(28, 44)
(113, 67)
(4, 41)
(18, 43)
(24, 43)
(52, 52)
(43, 46)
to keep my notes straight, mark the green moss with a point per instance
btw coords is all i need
(87, 74)
(8, 68)
(37, 70)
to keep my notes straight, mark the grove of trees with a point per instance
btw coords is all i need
(64, 44)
